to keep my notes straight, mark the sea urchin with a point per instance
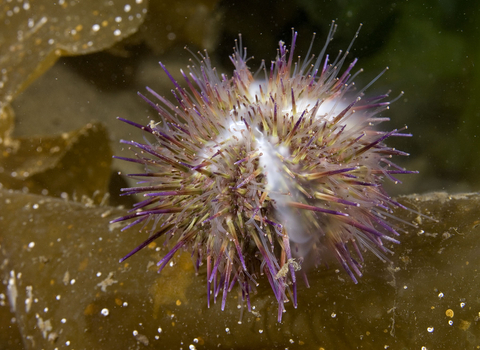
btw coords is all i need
(256, 176)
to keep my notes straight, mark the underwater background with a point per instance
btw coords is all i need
(59, 101)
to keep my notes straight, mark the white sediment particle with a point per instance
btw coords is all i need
(66, 278)
(141, 338)
(115, 225)
(106, 213)
(284, 270)
(12, 292)
(52, 337)
(105, 312)
(107, 282)
(29, 299)
(44, 326)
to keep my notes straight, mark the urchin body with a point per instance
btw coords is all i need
(255, 176)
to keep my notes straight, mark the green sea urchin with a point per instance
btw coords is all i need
(256, 176)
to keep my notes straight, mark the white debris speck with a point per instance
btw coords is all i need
(105, 312)
(115, 226)
(52, 337)
(31, 245)
(44, 326)
(12, 291)
(66, 277)
(107, 282)
(430, 329)
(141, 338)
(29, 299)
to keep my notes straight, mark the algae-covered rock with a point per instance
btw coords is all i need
(61, 278)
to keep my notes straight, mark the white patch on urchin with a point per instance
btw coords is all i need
(273, 153)
(328, 108)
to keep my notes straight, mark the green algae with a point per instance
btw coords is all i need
(64, 257)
